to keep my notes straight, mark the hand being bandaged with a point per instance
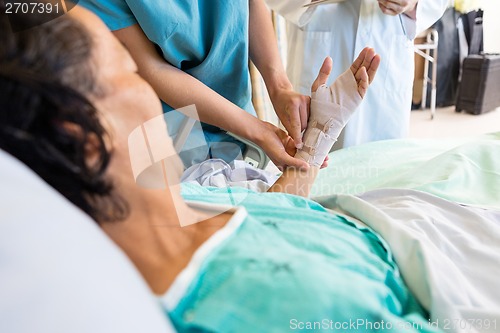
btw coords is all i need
(332, 107)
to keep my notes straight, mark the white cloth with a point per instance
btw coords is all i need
(342, 31)
(59, 272)
(218, 173)
(449, 254)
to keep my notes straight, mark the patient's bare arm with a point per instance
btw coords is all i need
(331, 108)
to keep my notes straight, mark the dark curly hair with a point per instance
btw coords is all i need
(45, 119)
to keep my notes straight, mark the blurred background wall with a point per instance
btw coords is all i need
(491, 25)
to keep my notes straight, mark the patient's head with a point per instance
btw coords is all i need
(46, 118)
(69, 97)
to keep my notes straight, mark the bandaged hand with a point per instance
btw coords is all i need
(332, 107)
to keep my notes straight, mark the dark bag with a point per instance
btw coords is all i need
(473, 29)
(448, 64)
(480, 86)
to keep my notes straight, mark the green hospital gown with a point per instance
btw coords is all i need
(284, 263)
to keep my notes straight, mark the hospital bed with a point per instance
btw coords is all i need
(464, 170)
(437, 204)
(449, 253)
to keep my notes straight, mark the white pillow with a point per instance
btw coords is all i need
(59, 272)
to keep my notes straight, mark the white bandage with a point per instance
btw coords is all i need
(331, 108)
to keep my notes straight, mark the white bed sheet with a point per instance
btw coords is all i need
(449, 254)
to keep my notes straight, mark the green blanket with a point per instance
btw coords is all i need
(462, 170)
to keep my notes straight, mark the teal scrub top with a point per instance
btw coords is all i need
(290, 266)
(206, 39)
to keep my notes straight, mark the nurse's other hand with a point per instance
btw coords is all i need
(396, 7)
(292, 109)
(280, 147)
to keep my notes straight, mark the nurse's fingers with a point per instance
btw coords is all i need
(289, 161)
(304, 113)
(323, 74)
(295, 124)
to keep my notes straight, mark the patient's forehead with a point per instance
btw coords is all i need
(108, 55)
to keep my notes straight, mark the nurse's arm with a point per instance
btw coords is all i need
(179, 89)
(292, 108)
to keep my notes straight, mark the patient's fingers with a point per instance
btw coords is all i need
(370, 53)
(369, 60)
(325, 162)
(372, 69)
(363, 81)
(364, 69)
(323, 74)
(359, 61)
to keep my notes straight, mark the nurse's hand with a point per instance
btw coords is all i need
(396, 7)
(292, 109)
(280, 148)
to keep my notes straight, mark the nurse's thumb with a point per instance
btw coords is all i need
(294, 162)
(323, 74)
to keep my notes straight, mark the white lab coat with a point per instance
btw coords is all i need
(341, 31)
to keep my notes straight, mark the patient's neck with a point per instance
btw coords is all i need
(153, 238)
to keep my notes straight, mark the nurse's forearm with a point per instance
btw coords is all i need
(264, 48)
(296, 181)
(181, 89)
(291, 107)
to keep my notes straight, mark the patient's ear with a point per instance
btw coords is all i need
(93, 150)
(92, 146)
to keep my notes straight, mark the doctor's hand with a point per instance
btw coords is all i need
(292, 109)
(396, 7)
